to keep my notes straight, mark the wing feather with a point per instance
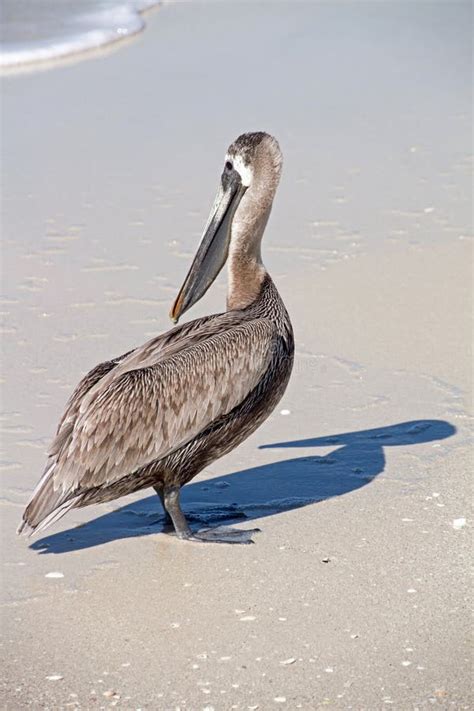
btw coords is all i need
(151, 404)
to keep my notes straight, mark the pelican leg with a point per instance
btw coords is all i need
(168, 519)
(173, 508)
(221, 534)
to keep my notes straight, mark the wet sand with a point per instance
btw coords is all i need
(356, 593)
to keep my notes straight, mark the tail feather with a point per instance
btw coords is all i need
(46, 505)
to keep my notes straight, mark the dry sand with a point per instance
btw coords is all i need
(356, 593)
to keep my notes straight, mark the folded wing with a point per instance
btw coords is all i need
(147, 405)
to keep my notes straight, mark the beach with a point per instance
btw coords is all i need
(356, 594)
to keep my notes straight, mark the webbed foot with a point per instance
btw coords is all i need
(220, 534)
(224, 534)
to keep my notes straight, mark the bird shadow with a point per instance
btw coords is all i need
(355, 460)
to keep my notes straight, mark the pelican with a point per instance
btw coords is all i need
(157, 415)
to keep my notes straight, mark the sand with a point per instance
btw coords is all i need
(356, 592)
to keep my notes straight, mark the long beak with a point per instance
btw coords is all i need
(214, 246)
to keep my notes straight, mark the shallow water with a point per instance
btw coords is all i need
(36, 31)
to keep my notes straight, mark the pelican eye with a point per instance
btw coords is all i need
(228, 166)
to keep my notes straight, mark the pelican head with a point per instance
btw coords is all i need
(238, 217)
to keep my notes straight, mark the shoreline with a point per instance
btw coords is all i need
(356, 592)
(92, 44)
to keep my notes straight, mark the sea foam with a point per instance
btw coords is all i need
(43, 31)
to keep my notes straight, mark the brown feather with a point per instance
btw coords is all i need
(160, 413)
